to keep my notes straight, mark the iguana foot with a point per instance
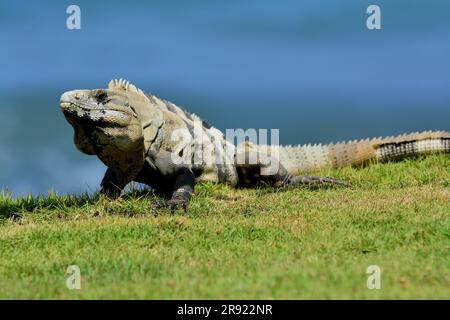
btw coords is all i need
(171, 204)
(313, 180)
(111, 193)
(112, 185)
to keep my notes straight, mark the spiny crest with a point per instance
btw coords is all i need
(123, 84)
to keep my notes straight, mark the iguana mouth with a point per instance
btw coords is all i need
(66, 105)
(99, 116)
(78, 99)
(69, 106)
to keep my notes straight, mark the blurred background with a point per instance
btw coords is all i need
(310, 68)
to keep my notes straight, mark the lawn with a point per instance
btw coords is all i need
(242, 244)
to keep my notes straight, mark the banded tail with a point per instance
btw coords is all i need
(306, 158)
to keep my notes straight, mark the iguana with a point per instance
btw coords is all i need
(134, 135)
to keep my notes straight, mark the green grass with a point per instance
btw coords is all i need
(242, 244)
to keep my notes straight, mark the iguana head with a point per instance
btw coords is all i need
(109, 123)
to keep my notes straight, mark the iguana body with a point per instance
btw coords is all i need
(142, 138)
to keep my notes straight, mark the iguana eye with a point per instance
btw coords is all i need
(101, 96)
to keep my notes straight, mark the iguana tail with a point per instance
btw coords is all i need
(298, 159)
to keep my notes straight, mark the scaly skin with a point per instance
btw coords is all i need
(142, 138)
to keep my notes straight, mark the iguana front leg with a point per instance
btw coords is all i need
(182, 192)
(183, 177)
(112, 184)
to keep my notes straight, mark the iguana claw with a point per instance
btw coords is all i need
(171, 204)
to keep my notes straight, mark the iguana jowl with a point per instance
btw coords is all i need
(133, 135)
